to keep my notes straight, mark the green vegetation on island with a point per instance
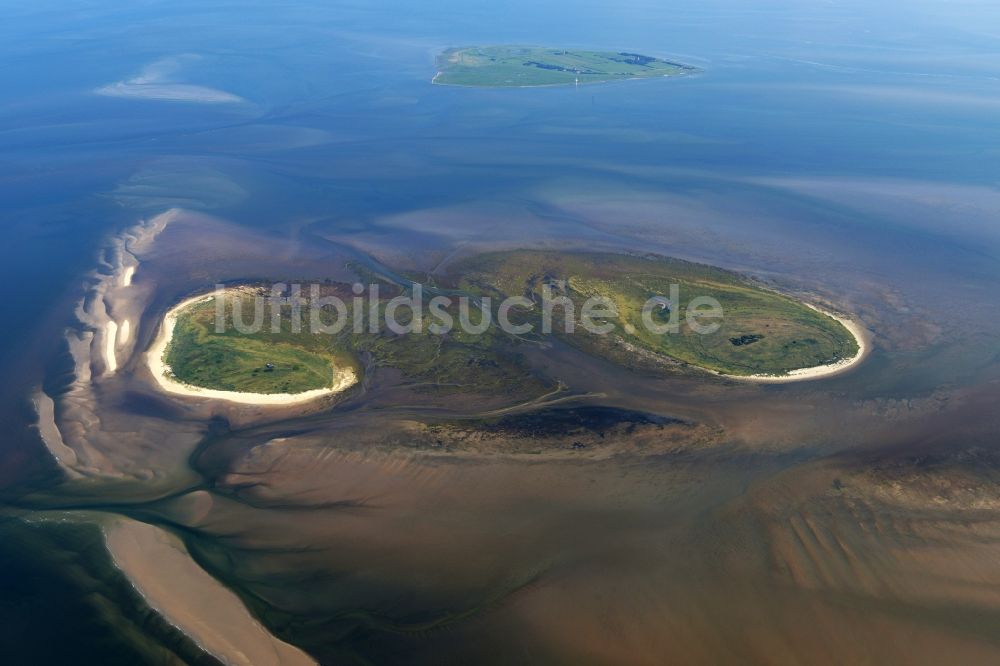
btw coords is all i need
(517, 66)
(249, 363)
(761, 332)
(289, 361)
(645, 312)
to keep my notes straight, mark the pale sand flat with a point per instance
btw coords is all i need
(110, 340)
(124, 332)
(162, 571)
(127, 274)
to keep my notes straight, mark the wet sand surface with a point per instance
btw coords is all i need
(187, 597)
(694, 519)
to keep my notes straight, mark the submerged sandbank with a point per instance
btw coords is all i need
(342, 379)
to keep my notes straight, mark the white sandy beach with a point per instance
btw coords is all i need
(110, 340)
(342, 378)
(819, 371)
(127, 273)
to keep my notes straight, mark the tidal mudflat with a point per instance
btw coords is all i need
(356, 525)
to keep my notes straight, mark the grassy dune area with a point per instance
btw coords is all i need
(231, 361)
(287, 361)
(515, 66)
(761, 332)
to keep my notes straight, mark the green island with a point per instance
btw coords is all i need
(288, 361)
(250, 363)
(762, 333)
(527, 66)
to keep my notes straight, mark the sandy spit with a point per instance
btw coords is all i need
(343, 378)
(51, 436)
(162, 571)
(127, 273)
(110, 340)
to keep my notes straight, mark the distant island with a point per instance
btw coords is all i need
(525, 66)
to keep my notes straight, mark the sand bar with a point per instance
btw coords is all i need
(162, 571)
(343, 378)
(110, 339)
(127, 273)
